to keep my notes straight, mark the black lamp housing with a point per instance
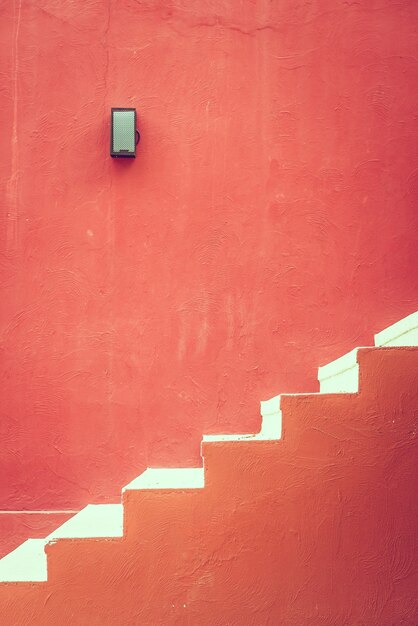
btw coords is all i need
(124, 135)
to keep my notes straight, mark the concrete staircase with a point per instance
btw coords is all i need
(313, 520)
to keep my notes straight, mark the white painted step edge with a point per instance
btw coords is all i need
(271, 429)
(271, 425)
(168, 478)
(402, 333)
(341, 375)
(28, 563)
(271, 419)
(95, 520)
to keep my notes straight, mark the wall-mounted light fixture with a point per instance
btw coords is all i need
(124, 136)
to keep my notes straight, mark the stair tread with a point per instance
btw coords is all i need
(229, 437)
(341, 374)
(270, 432)
(168, 478)
(402, 333)
(95, 520)
(337, 366)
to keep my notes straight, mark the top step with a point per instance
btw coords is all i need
(403, 333)
(341, 375)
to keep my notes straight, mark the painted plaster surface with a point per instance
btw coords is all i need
(317, 528)
(15, 527)
(267, 225)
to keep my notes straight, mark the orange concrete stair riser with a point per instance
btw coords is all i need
(167, 508)
(279, 528)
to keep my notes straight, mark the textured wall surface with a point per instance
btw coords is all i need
(267, 225)
(317, 529)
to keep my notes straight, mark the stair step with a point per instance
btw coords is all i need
(331, 440)
(27, 563)
(168, 478)
(341, 375)
(403, 333)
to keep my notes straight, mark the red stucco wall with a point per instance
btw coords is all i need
(268, 224)
(316, 529)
